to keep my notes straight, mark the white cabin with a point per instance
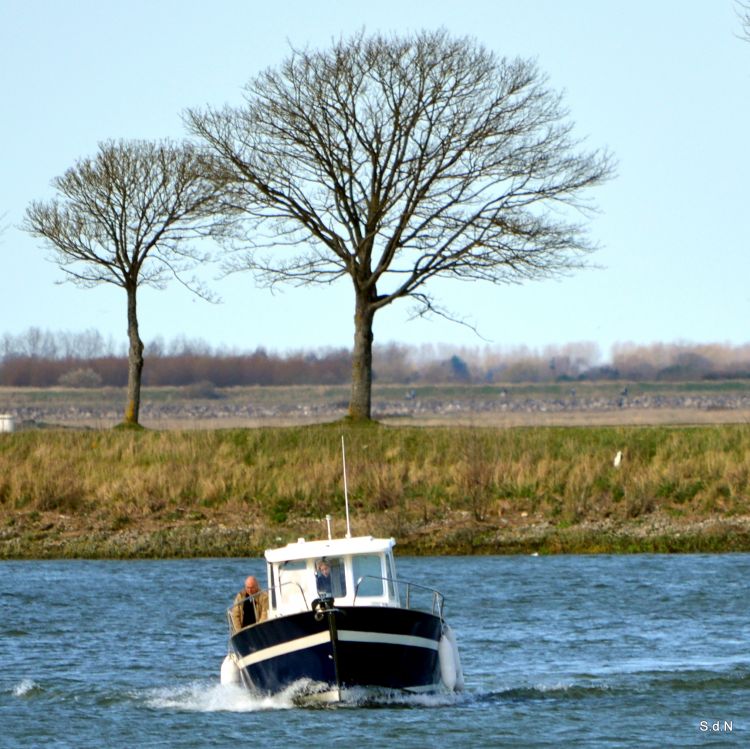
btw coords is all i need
(362, 573)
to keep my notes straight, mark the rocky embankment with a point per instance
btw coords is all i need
(68, 537)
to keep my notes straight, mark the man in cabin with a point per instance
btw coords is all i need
(250, 605)
(323, 576)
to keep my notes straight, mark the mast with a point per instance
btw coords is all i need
(346, 489)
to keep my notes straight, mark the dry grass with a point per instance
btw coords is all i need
(401, 480)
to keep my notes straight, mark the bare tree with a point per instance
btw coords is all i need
(395, 160)
(124, 218)
(743, 12)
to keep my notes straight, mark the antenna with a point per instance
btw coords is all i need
(346, 489)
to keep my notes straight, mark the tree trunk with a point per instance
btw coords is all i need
(135, 362)
(361, 400)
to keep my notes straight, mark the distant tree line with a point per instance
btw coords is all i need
(39, 358)
(45, 359)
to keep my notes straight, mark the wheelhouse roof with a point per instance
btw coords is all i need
(334, 547)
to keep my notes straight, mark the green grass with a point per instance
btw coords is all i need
(464, 485)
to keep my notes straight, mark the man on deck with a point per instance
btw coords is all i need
(250, 605)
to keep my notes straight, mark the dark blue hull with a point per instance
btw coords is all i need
(362, 646)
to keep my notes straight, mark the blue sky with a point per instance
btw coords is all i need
(665, 86)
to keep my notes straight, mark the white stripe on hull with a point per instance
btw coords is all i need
(387, 638)
(284, 648)
(345, 635)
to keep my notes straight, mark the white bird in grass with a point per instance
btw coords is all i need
(618, 459)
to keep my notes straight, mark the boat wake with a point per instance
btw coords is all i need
(208, 697)
(212, 697)
(360, 697)
(555, 691)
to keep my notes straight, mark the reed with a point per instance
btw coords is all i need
(179, 493)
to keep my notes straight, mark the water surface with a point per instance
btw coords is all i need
(595, 651)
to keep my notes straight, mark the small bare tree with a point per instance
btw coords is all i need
(124, 217)
(396, 160)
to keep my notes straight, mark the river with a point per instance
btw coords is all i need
(584, 651)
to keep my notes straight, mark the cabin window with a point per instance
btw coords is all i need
(368, 575)
(292, 577)
(329, 577)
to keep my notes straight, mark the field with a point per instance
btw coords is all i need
(455, 470)
(560, 404)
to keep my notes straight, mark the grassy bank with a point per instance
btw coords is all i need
(108, 493)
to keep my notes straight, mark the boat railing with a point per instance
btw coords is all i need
(282, 593)
(411, 595)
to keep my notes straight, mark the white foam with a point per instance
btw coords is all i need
(360, 696)
(208, 697)
(213, 697)
(24, 687)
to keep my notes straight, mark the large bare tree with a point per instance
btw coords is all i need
(395, 160)
(125, 217)
(743, 13)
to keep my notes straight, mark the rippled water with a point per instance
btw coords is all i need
(596, 651)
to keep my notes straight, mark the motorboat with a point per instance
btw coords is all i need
(339, 620)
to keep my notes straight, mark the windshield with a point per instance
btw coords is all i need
(368, 575)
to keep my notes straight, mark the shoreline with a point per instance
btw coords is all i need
(657, 534)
